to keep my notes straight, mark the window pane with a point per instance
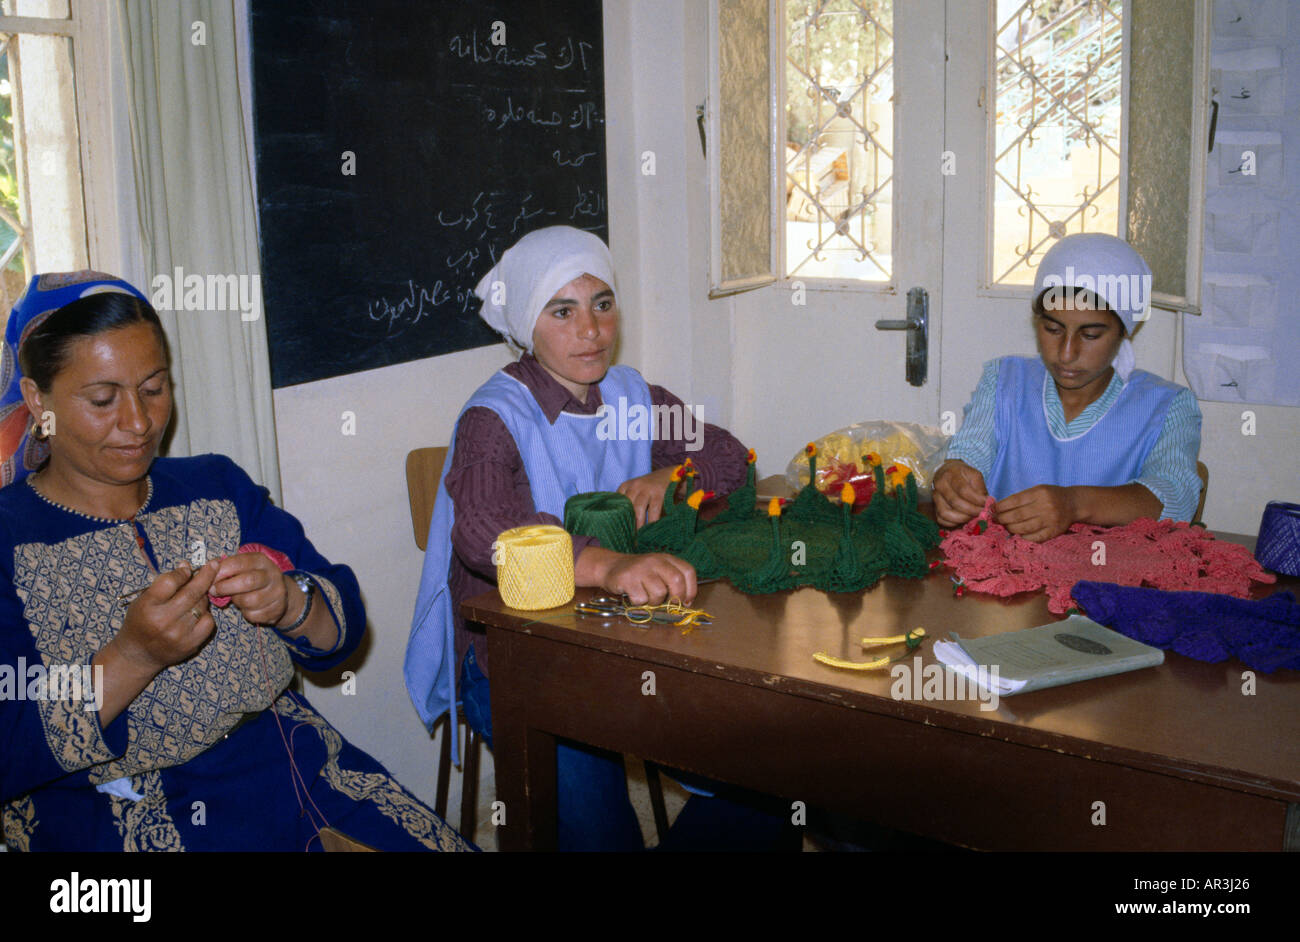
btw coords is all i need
(744, 143)
(42, 214)
(48, 9)
(1162, 90)
(1056, 128)
(839, 139)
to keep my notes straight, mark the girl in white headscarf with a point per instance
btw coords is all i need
(531, 437)
(1077, 434)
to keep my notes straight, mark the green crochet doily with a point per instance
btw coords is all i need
(812, 543)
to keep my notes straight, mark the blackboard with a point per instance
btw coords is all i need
(466, 124)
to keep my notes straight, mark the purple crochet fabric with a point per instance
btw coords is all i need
(1264, 634)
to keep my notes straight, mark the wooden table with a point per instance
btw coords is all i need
(1175, 757)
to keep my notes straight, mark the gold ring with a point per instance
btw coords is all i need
(196, 613)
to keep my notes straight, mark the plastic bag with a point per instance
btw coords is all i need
(919, 448)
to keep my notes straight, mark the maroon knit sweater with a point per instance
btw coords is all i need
(490, 488)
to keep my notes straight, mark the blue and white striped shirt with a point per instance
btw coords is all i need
(1169, 471)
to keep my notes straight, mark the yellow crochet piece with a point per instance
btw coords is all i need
(535, 567)
(851, 665)
(911, 639)
(917, 632)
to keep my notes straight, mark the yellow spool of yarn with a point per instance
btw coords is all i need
(534, 567)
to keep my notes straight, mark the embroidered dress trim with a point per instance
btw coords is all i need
(148, 496)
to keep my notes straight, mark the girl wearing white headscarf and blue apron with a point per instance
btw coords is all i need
(1077, 434)
(525, 442)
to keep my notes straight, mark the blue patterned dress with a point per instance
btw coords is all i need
(200, 760)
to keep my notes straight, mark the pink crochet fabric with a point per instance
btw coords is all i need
(281, 560)
(1161, 554)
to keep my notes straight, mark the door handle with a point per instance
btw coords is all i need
(917, 326)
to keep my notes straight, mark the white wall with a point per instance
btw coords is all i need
(350, 494)
(654, 80)
(756, 374)
(1246, 470)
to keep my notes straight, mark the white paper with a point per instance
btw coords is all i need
(1249, 158)
(1250, 18)
(954, 656)
(1227, 372)
(1241, 233)
(1233, 300)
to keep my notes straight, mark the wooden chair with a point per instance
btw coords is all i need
(423, 472)
(1204, 473)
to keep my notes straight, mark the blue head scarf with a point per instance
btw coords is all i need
(20, 451)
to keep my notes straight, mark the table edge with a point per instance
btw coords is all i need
(905, 710)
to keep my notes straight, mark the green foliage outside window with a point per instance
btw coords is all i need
(9, 197)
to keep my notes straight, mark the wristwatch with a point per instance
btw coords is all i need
(306, 583)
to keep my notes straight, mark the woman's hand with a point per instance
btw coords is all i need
(959, 493)
(1038, 513)
(647, 579)
(647, 494)
(258, 588)
(169, 622)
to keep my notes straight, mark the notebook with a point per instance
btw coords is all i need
(1047, 656)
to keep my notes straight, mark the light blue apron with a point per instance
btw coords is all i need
(573, 456)
(1109, 454)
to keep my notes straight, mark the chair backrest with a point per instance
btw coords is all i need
(423, 471)
(1204, 473)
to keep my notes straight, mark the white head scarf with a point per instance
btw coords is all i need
(1108, 267)
(531, 271)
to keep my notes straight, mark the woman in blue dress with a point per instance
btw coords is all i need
(144, 661)
(1076, 434)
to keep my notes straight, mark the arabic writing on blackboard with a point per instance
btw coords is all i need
(459, 155)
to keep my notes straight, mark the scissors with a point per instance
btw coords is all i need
(671, 613)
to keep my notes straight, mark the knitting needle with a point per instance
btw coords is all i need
(122, 599)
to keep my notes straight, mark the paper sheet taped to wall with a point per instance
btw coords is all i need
(1231, 373)
(1242, 233)
(1249, 81)
(1242, 348)
(1249, 19)
(1239, 300)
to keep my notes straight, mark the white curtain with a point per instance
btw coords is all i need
(186, 68)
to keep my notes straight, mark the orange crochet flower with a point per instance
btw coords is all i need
(698, 498)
